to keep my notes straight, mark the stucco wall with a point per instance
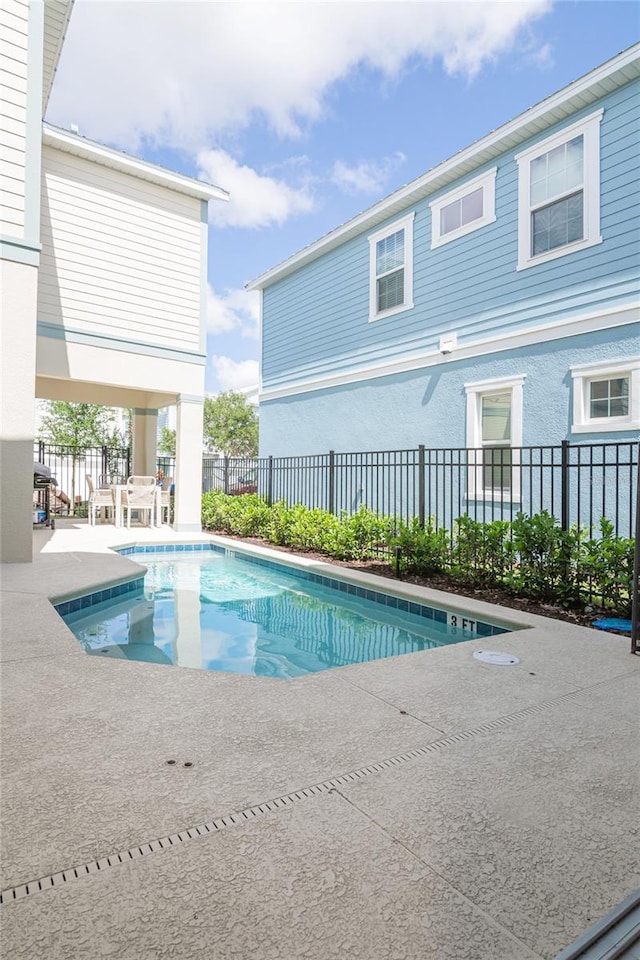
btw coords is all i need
(428, 406)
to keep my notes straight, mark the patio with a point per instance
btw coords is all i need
(427, 806)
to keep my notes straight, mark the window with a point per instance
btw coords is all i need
(463, 210)
(494, 428)
(606, 396)
(391, 269)
(559, 193)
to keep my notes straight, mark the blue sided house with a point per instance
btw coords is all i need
(491, 302)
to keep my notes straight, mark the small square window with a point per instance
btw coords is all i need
(461, 212)
(391, 269)
(606, 396)
(609, 398)
(464, 209)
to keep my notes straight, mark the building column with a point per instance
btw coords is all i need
(145, 442)
(18, 307)
(188, 479)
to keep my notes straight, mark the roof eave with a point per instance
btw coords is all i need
(56, 22)
(583, 92)
(125, 163)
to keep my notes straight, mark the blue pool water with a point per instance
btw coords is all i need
(216, 611)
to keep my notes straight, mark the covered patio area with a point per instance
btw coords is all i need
(144, 405)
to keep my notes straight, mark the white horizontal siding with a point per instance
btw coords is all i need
(14, 24)
(120, 256)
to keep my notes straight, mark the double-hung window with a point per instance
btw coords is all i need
(494, 429)
(391, 269)
(606, 396)
(463, 210)
(559, 193)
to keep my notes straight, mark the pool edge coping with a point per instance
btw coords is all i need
(514, 620)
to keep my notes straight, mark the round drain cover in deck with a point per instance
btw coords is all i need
(493, 656)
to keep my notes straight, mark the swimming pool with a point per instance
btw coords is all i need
(216, 609)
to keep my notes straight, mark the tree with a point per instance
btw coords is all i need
(77, 426)
(231, 425)
(167, 441)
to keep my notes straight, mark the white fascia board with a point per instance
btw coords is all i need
(98, 153)
(615, 73)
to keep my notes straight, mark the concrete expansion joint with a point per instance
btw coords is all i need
(236, 818)
(523, 947)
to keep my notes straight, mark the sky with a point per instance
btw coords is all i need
(308, 113)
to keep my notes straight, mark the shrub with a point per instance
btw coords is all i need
(278, 528)
(425, 550)
(530, 556)
(246, 516)
(482, 552)
(547, 559)
(312, 529)
(606, 567)
(360, 536)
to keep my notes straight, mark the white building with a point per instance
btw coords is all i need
(102, 280)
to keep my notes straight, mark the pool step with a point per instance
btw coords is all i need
(616, 937)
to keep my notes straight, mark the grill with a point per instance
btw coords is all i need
(42, 481)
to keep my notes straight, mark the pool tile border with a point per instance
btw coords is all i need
(401, 604)
(66, 607)
(482, 629)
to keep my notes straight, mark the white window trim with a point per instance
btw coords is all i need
(406, 224)
(487, 181)
(589, 128)
(475, 392)
(583, 375)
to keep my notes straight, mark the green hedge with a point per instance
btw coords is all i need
(530, 556)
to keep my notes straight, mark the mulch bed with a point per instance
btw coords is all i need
(448, 584)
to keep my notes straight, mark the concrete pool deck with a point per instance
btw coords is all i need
(425, 807)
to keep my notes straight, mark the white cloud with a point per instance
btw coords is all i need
(234, 374)
(233, 310)
(185, 73)
(366, 176)
(256, 200)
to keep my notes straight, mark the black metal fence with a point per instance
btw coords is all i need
(70, 467)
(577, 484)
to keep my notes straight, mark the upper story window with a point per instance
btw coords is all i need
(559, 193)
(464, 209)
(391, 269)
(606, 396)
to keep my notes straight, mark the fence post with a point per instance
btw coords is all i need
(105, 461)
(41, 451)
(421, 479)
(564, 486)
(635, 586)
(226, 473)
(332, 481)
(270, 481)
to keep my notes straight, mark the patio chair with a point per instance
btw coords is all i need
(166, 485)
(99, 500)
(140, 495)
